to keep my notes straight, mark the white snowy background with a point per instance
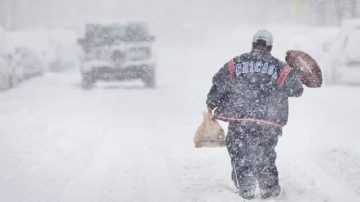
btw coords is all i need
(122, 142)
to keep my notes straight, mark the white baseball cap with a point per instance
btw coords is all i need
(263, 35)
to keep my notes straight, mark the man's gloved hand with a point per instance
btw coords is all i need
(210, 111)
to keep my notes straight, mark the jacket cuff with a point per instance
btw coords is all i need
(211, 104)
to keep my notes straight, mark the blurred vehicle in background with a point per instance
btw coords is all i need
(29, 44)
(8, 77)
(57, 49)
(26, 54)
(27, 63)
(117, 52)
(27, 50)
(344, 54)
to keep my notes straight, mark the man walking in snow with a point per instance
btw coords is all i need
(251, 93)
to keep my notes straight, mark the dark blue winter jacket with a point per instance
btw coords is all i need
(254, 87)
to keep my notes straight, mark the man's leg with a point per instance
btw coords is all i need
(266, 171)
(238, 147)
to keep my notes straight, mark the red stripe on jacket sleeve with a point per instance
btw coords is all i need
(283, 74)
(231, 65)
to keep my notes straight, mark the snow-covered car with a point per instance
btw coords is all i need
(27, 51)
(27, 63)
(117, 51)
(344, 55)
(58, 49)
(8, 77)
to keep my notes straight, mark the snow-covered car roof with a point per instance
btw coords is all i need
(352, 49)
(347, 26)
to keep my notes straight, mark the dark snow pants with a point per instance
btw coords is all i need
(252, 152)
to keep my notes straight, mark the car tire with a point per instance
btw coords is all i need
(14, 81)
(6, 82)
(87, 82)
(149, 79)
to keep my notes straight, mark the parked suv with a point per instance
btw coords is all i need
(8, 77)
(344, 54)
(117, 52)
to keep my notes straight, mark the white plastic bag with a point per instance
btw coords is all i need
(209, 133)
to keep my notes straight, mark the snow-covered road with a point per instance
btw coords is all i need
(121, 142)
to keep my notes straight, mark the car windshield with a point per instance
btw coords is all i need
(112, 34)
